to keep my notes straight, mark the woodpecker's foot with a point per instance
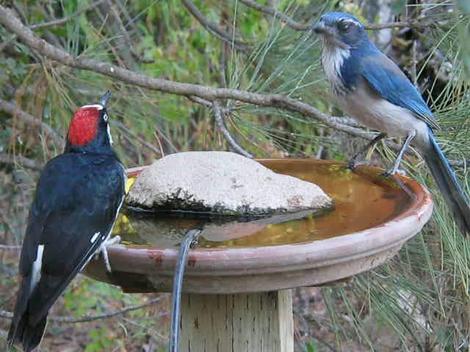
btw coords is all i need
(113, 240)
(352, 164)
(104, 253)
(104, 250)
(394, 171)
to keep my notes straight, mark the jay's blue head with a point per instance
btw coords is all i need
(340, 29)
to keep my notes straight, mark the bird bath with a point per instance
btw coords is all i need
(236, 285)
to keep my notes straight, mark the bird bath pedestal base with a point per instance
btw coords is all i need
(261, 322)
(236, 293)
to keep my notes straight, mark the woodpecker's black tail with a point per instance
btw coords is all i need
(22, 329)
(448, 184)
(28, 335)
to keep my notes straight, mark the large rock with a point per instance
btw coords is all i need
(223, 183)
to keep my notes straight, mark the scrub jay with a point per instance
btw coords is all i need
(371, 88)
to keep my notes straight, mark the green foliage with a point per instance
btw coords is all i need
(311, 347)
(90, 295)
(419, 298)
(101, 340)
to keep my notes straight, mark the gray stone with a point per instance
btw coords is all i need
(224, 183)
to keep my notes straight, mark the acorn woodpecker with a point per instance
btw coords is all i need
(78, 197)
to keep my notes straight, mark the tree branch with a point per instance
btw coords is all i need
(21, 160)
(63, 20)
(125, 130)
(290, 22)
(276, 14)
(212, 27)
(7, 247)
(220, 121)
(13, 24)
(13, 110)
(87, 318)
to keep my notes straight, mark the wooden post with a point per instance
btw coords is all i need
(260, 322)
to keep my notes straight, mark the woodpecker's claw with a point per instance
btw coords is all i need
(352, 164)
(113, 240)
(104, 250)
(392, 172)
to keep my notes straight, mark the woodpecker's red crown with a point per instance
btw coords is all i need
(84, 125)
(89, 129)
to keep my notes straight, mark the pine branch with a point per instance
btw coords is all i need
(15, 111)
(298, 26)
(212, 27)
(220, 121)
(13, 24)
(278, 15)
(88, 318)
(20, 160)
(63, 20)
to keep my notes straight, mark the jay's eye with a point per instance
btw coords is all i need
(344, 26)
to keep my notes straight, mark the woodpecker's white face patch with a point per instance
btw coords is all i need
(95, 106)
(108, 129)
(37, 267)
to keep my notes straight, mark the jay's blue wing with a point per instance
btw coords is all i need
(384, 76)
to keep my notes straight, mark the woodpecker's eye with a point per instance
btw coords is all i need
(345, 25)
(105, 117)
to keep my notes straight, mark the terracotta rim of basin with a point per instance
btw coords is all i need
(251, 269)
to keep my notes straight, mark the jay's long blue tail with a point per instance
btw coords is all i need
(448, 184)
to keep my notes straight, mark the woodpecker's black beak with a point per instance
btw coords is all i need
(104, 99)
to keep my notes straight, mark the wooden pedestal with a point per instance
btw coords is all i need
(254, 322)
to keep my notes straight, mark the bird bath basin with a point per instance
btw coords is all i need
(243, 269)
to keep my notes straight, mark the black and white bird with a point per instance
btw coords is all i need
(77, 200)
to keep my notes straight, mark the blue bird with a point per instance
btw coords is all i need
(371, 88)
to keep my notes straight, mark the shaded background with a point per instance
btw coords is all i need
(419, 301)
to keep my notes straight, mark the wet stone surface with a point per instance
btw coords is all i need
(222, 183)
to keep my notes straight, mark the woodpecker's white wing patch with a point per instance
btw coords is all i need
(104, 237)
(37, 267)
(94, 237)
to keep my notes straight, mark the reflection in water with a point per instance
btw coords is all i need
(362, 198)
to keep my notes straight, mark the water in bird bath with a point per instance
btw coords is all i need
(363, 199)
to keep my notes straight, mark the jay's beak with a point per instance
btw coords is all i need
(104, 99)
(319, 27)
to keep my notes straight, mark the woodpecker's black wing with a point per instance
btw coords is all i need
(77, 200)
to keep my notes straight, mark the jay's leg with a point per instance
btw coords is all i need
(353, 162)
(399, 158)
